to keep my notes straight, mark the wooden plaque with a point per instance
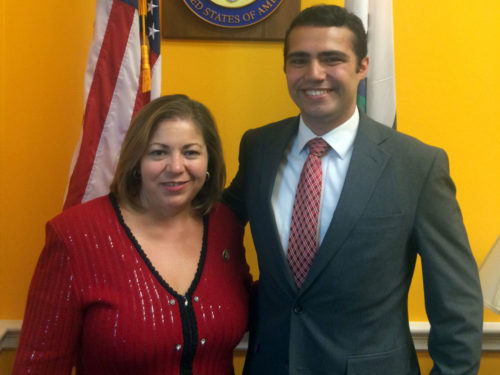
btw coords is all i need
(179, 22)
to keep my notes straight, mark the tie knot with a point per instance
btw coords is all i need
(318, 147)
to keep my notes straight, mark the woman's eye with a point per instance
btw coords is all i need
(156, 153)
(191, 153)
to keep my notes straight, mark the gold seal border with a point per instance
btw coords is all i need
(233, 27)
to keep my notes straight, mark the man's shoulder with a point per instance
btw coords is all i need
(272, 133)
(280, 126)
(394, 139)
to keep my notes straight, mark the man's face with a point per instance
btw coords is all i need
(323, 75)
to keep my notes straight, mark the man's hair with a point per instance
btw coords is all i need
(126, 184)
(328, 16)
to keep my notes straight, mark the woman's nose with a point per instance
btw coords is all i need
(175, 163)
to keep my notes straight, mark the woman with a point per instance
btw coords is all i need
(151, 279)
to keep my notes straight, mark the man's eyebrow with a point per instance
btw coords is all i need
(332, 53)
(339, 54)
(297, 54)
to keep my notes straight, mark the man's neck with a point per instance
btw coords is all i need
(322, 126)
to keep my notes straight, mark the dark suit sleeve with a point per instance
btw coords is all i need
(234, 195)
(451, 283)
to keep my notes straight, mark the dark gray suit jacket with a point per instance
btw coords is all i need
(350, 317)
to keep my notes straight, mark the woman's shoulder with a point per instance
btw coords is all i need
(82, 226)
(223, 222)
(89, 211)
(221, 212)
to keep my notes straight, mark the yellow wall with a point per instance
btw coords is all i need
(43, 60)
(447, 80)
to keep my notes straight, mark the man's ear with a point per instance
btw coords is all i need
(363, 67)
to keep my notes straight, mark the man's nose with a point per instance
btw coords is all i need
(316, 70)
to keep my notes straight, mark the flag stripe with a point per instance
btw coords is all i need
(117, 119)
(155, 72)
(103, 9)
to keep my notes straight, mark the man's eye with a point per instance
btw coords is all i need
(297, 61)
(331, 60)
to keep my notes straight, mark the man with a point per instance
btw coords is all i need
(384, 199)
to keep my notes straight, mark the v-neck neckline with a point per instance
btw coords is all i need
(201, 262)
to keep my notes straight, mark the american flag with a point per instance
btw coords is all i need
(113, 91)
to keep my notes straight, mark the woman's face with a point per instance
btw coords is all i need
(174, 167)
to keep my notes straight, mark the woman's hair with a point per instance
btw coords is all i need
(126, 184)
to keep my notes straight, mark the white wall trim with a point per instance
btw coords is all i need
(9, 334)
(10, 329)
(491, 335)
(420, 333)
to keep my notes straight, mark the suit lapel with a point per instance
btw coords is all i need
(367, 163)
(271, 156)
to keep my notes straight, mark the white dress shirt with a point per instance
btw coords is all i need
(334, 165)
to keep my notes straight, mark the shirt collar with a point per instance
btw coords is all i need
(340, 139)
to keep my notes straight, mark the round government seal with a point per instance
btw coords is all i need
(233, 13)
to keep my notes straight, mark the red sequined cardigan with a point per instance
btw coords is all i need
(97, 303)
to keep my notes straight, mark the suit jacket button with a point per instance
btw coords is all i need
(297, 309)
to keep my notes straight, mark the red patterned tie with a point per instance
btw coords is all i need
(304, 229)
